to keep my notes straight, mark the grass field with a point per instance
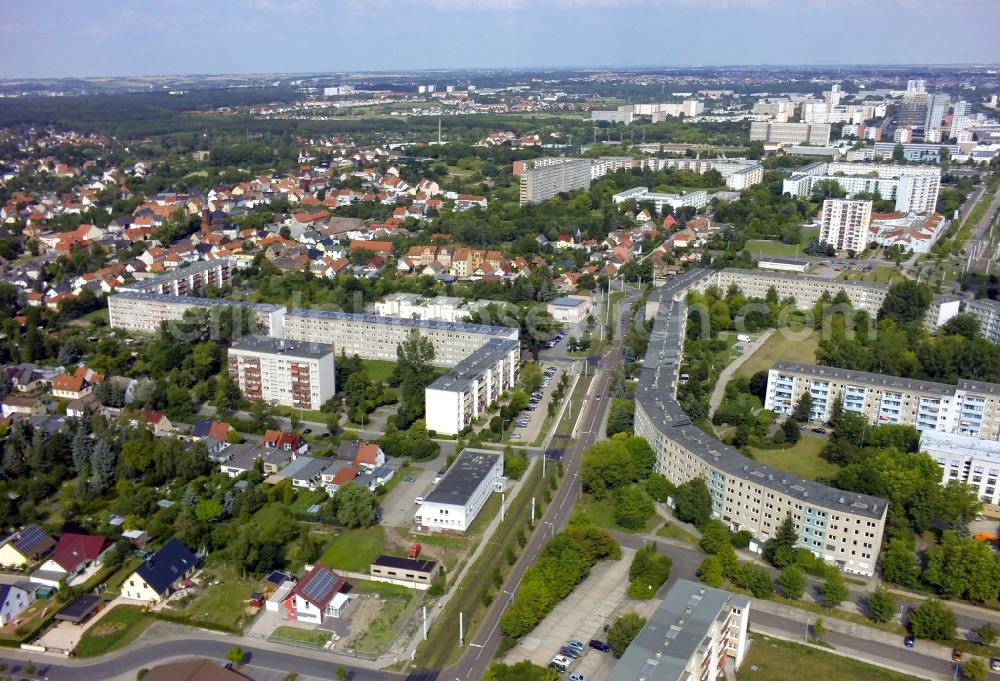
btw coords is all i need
(114, 583)
(304, 499)
(675, 531)
(355, 550)
(796, 344)
(802, 460)
(602, 512)
(116, 629)
(758, 247)
(223, 603)
(881, 274)
(776, 660)
(312, 637)
(378, 370)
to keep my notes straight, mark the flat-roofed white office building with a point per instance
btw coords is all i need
(460, 495)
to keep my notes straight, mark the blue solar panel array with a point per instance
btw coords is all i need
(320, 586)
(30, 539)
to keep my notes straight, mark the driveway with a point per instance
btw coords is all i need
(66, 635)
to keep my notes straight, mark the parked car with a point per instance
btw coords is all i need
(569, 652)
(560, 663)
(995, 664)
(910, 641)
(575, 645)
(956, 655)
(515, 436)
(407, 478)
(418, 500)
(821, 431)
(597, 644)
(577, 676)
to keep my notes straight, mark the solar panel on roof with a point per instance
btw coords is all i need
(31, 538)
(319, 586)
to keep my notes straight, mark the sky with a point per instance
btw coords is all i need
(62, 38)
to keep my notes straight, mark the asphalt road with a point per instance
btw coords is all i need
(152, 654)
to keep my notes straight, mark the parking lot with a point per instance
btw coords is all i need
(581, 616)
(526, 434)
(399, 506)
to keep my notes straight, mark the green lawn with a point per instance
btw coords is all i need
(776, 660)
(675, 531)
(802, 460)
(881, 274)
(796, 344)
(312, 637)
(306, 498)
(758, 247)
(378, 370)
(602, 512)
(355, 550)
(116, 629)
(223, 603)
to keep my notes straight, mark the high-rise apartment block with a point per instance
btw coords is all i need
(543, 178)
(790, 133)
(845, 224)
(279, 371)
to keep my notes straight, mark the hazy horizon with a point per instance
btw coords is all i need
(50, 39)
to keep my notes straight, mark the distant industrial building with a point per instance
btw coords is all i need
(695, 633)
(279, 371)
(460, 495)
(697, 198)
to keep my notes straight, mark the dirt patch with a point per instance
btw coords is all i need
(366, 610)
(107, 629)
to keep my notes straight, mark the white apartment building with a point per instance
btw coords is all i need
(542, 179)
(916, 152)
(842, 528)
(462, 395)
(278, 371)
(376, 337)
(696, 199)
(694, 634)
(845, 224)
(914, 188)
(455, 501)
(817, 134)
(144, 312)
(738, 173)
(969, 408)
(987, 312)
(807, 290)
(187, 280)
(966, 459)
(622, 115)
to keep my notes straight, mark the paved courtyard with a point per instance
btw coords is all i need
(581, 616)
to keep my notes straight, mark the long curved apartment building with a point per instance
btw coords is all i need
(842, 528)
